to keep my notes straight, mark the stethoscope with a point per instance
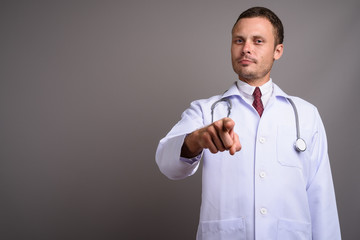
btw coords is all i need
(300, 144)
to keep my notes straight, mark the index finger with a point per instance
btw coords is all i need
(228, 124)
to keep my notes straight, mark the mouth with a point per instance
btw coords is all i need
(246, 60)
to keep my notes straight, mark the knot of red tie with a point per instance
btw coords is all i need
(257, 104)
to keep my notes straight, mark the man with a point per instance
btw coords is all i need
(256, 185)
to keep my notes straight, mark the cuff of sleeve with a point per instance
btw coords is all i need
(191, 160)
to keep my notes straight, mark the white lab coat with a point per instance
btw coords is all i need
(267, 190)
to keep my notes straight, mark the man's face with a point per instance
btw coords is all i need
(253, 50)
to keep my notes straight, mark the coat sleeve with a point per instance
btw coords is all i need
(168, 152)
(321, 194)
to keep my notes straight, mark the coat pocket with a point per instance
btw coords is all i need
(287, 155)
(293, 230)
(223, 229)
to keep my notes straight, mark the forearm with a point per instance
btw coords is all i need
(169, 152)
(321, 193)
(168, 158)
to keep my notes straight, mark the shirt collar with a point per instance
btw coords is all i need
(234, 90)
(248, 90)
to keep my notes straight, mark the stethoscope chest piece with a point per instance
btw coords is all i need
(300, 145)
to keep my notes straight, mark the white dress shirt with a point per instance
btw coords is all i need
(246, 91)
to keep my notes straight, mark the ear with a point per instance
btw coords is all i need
(278, 51)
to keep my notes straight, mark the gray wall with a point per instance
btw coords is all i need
(88, 88)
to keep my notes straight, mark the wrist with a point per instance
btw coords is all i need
(190, 148)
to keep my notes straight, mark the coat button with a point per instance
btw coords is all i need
(263, 211)
(262, 174)
(262, 140)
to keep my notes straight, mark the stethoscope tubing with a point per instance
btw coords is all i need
(300, 144)
(227, 100)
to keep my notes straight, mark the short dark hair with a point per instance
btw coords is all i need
(269, 15)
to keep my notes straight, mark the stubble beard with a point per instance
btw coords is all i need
(252, 76)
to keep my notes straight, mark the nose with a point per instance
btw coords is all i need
(246, 48)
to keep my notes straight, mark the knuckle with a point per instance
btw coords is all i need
(205, 137)
(217, 125)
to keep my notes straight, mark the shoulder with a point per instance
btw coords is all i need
(301, 104)
(304, 107)
(200, 107)
(207, 102)
(308, 115)
(307, 112)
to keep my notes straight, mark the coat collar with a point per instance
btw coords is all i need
(234, 91)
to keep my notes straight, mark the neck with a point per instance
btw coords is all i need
(255, 82)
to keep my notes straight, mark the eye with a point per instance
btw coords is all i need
(259, 41)
(238, 41)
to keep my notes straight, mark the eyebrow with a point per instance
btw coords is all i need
(237, 36)
(253, 37)
(258, 36)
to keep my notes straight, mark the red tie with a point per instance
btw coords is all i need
(257, 104)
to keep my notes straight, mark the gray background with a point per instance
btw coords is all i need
(88, 88)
